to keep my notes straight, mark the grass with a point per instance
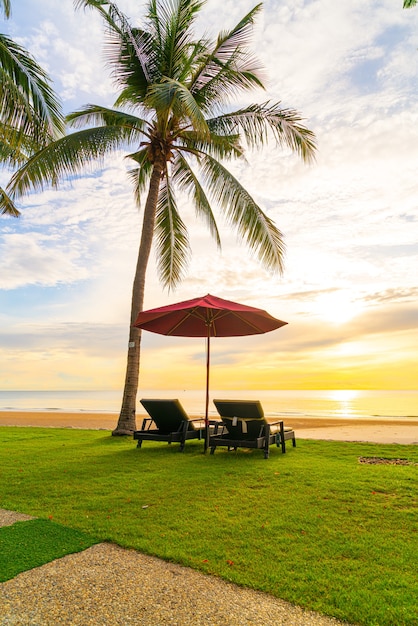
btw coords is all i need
(314, 526)
(26, 545)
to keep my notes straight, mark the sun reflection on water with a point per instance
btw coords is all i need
(345, 400)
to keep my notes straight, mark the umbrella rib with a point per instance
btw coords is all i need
(240, 317)
(192, 313)
(211, 318)
(246, 321)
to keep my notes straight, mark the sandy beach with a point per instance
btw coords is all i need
(374, 430)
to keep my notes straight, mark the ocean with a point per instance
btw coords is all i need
(343, 404)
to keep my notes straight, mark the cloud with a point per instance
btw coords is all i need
(393, 295)
(94, 340)
(28, 260)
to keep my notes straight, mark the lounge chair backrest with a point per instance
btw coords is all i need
(168, 415)
(240, 408)
(244, 419)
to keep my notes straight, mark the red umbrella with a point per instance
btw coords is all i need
(207, 317)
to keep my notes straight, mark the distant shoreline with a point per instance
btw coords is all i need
(376, 430)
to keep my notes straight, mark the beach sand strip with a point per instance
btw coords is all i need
(402, 431)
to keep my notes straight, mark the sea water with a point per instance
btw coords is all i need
(343, 404)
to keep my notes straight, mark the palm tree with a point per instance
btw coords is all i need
(30, 114)
(173, 88)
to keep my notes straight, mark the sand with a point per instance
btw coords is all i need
(403, 431)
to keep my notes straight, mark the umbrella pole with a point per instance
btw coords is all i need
(207, 390)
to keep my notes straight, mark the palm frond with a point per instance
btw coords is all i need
(27, 100)
(239, 36)
(7, 206)
(409, 3)
(155, 27)
(171, 23)
(5, 5)
(258, 120)
(220, 146)
(228, 82)
(128, 97)
(134, 66)
(229, 67)
(140, 176)
(170, 97)
(68, 156)
(288, 131)
(16, 112)
(109, 11)
(172, 242)
(14, 147)
(188, 182)
(96, 115)
(243, 213)
(171, 20)
(119, 27)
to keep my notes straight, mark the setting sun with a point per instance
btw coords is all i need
(337, 307)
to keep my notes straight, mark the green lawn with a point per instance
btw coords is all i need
(314, 526)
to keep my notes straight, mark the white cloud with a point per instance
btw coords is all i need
(29, 260)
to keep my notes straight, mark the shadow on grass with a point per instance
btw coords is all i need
(25, 545)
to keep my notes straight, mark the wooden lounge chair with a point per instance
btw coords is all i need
(247, 427)
(169, 422)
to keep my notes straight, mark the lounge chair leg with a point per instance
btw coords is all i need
(267, 449)
(282, 439)
(212, 450)
(139, 444)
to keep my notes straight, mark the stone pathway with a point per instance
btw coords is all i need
(106, 585)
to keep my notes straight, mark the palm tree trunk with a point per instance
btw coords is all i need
(127, 418)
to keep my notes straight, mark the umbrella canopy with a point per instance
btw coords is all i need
(208, 317)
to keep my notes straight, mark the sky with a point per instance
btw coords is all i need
(350, 220)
